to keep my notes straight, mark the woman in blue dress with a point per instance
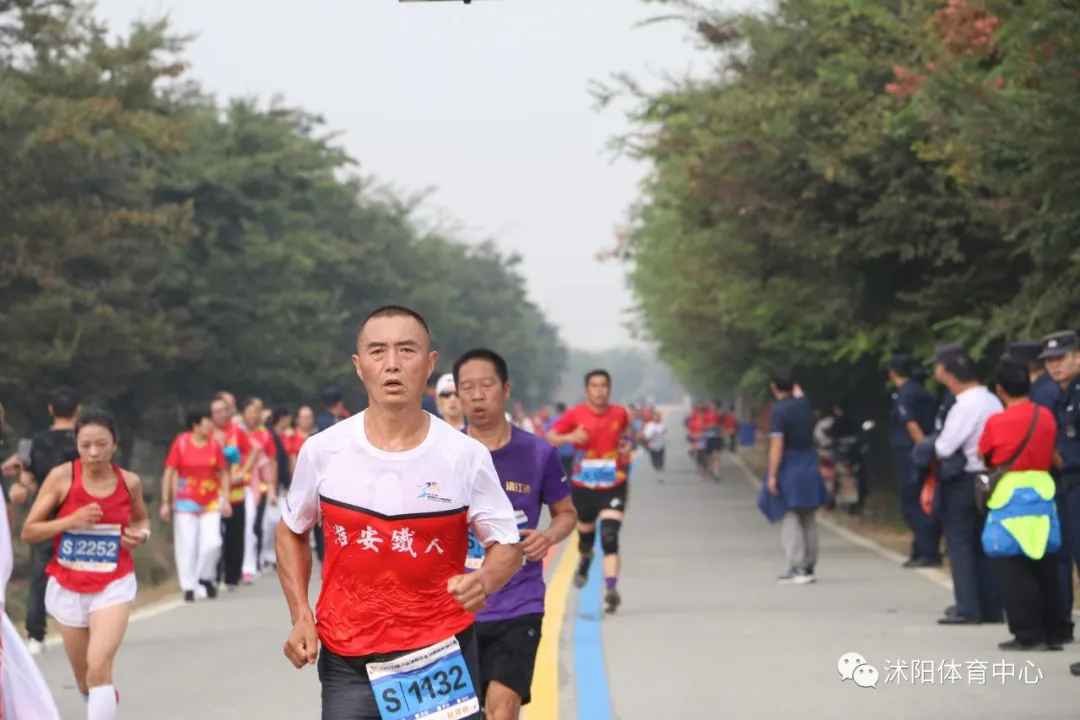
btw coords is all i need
(793, 488)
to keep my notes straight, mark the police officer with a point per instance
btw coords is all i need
(1044, 391)
(941, 355)
(911, 420)
(1061, 352)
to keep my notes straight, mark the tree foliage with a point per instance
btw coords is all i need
(856, 178)
(157, 246)
(636, 376)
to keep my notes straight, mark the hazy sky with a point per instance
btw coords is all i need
(488, 103)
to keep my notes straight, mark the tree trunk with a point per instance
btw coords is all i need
(126, 412)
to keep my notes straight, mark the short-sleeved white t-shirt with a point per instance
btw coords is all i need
(447, 470)
(396, 526)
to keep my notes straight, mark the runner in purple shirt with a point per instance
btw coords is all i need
(508, 629)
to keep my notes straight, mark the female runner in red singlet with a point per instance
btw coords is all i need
(100, 517)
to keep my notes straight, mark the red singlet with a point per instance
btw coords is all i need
(86, 560)
(606, 432)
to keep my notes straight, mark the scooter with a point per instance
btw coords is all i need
(850, 453)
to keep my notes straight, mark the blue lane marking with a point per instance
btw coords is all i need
(590, 672)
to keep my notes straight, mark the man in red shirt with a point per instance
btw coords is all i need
(599, 432)
(697, 431)
(1027, 575)
(397, 492)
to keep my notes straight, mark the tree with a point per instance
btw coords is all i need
(800, 215)
(82, 138)
(158, 246)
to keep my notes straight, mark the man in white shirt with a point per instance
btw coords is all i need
(978, 599)
(397, 493)
(654, 433)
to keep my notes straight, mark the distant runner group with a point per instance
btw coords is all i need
(432, 593)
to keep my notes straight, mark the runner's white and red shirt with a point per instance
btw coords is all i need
(396, 527)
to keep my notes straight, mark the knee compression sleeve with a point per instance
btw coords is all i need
(609, 536)
(586, 540)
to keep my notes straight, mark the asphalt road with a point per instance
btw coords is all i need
(705, 631)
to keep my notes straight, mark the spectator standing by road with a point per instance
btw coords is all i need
(912, 418)
(49, 448)
(793, 488)
(1045, 391)
(974, 585)
(1022, 532)
(1061, 351)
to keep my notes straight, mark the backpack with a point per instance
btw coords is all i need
(51, 448)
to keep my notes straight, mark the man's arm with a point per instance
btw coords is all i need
(776, 447)
(555, 493)
(564, 430)
(492, 518)
(299, 513)
(914, 431)
(776, 454)
(957, 429)
(563, 520)
(294, 570)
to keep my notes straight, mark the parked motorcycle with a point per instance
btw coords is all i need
(849, 458)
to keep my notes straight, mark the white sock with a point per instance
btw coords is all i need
(102, 704)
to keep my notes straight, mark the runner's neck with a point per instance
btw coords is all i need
(396, 430)
(493, 438)
(599, 409)
(99, 472)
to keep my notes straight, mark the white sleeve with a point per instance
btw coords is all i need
(959, 426)
(490, 513)
(300, 510)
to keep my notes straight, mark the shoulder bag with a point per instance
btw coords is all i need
(986, 482)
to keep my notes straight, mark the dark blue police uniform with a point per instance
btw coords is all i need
(1066, 409)
(913, 402)
(1044, 391)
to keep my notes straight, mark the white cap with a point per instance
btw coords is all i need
(445, 384)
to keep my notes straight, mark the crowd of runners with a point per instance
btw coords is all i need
(426, 525)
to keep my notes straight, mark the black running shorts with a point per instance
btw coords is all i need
(346, 689)
(589, 503)
(507, 651)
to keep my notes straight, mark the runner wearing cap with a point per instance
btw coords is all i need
(397, 493)
(508, 629)
(449, 404)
